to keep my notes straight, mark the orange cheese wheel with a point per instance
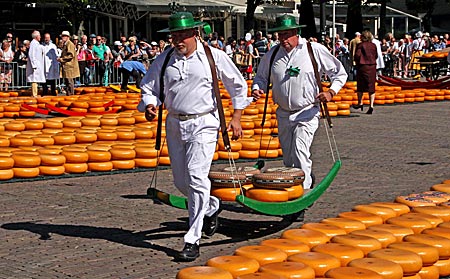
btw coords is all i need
(100, 166)
(441, 243)
(434, 220)
(108, 121)
(99, 156)
(125, 120)
(43, 140)
(26, 172)
(6, 174)
(263, 254)
(72, 123)
(320, 262)
(234, 145)
(203, 272)
(387, 269)
(250, 145)
(75, 167)
(384, 237)
(259, 275)
(6, 162)
(143, 133)
(444, 225)
(345, 253)
(368, 219)
(85, 137)
(416, 224)
(125, 135)
(51, 170)
(327, 229)
(346, 224)
(33, 125)
(225, 155)
(444, 267)
(236, 265)
(307, 236)
(268, 153)
(248, 154)
(64, 138)
(53, 124)
(146, 152)
(444, 187)
(164, 160)
(76, 156)
(429, 272)
(106, 135)
(14, 126)
(289, 270)
(268, 195)
(145, 162)
(52, 159)
(397, 207)
(410, 262)
(20, 141)
(384, 212)
(263, 131)
(364, 243)
(226, 193)
(289, 246)
(26, 160)
(434, 198)
(122, 154)
(440, 231)
(123, 164)
(294, 192)
(398, 231)
(429, 254)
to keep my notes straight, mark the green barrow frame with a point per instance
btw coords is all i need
(266, 208)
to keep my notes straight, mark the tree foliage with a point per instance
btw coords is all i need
(423, 6)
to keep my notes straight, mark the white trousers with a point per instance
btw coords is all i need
(296, 138)
(191, 145)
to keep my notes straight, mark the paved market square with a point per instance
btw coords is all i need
(104, 226)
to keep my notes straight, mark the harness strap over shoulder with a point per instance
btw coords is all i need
(272, 58)
(162, 98)
(223, 124)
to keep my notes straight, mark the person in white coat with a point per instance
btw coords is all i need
(192, 122)
(296, 91)
(35, 65)
(51, 65)
(380, 61)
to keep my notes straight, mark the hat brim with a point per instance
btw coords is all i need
(196, 24)
(282, 28)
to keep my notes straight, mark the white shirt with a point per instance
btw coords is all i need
(299, 92)
(188, 84)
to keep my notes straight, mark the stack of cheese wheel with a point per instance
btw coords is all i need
(76, 159)
(277, 185)
(6, 166)
(224, 154)
(123, 156)
(226, 185)
(146, 155)
(250, 147)
(52, 162)
(164, 158)
(99, 158)
(269, 147)
(26, 164)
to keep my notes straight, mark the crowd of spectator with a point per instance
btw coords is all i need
(101, 62)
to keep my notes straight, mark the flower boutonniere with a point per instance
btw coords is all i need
(293, 72)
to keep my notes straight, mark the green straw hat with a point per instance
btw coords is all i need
(285, 22)
(182, 21)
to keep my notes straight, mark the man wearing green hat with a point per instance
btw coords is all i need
(295, 90)
(192, 122)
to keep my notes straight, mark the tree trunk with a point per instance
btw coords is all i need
(307, 18)
(382, 31)
(249, 22)
(354, 18)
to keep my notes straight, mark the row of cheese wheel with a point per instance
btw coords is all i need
(368, 242)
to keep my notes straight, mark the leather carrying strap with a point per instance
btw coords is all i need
(272, 58)
(162, 97)
(323, 106)
(223, 125)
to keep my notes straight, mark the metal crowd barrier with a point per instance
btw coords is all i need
(13, 77)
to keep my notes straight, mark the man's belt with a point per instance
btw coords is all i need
(184, 117)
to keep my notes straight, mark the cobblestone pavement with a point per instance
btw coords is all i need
(105, 227)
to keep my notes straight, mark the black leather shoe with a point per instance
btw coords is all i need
(370, 111)
(190, 252)
(211, 223)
